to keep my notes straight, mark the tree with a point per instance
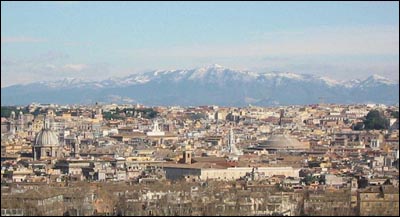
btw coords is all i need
(395, 114)
(359, 126)
(6, 110)
(376, 121)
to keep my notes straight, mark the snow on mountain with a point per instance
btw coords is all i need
(330, 82)
(213, 84)
(216, 74)
(351, 83)
(288, 75)
(375, 80)
(219, 74)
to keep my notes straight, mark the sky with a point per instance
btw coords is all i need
(98, 40)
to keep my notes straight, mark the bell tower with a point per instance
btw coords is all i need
(187, 157)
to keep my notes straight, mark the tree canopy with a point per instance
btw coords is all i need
(375, 121)
(6, 110)
(395, 114)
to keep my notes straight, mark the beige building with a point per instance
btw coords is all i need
(37, 124)
(205, 171)
(379, 200)
(235, 173)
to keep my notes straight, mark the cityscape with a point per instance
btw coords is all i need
(147, 124)
(322, 159)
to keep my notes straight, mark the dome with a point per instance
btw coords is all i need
(46, 137)
(282, 141)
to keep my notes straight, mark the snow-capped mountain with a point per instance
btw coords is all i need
(213, 84)
(374, 81)
(351, 83)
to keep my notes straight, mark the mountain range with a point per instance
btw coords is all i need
(211, 85)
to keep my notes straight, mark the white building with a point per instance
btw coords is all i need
(156, 130)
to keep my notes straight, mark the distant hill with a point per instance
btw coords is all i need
(214, 84)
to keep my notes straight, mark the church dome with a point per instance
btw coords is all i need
(46, 137)
(282, 141)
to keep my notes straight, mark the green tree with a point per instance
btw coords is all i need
(6, 110)
(375, 121)
(395, 114)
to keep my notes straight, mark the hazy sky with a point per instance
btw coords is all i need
(96, 40)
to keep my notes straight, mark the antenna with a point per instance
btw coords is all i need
(322, 99)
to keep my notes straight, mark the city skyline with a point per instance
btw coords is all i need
(53, 40)
(199, 108)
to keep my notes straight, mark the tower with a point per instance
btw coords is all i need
(353, 192)
(354, 185)
(76, 146)
(232, 149)
(46, 124)
(231, 140)
(216, 128)
(50, 113)
(98, 112)
(20, 122)
(12, 122)
(187, 157)
(12, 115)
(282, 113)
